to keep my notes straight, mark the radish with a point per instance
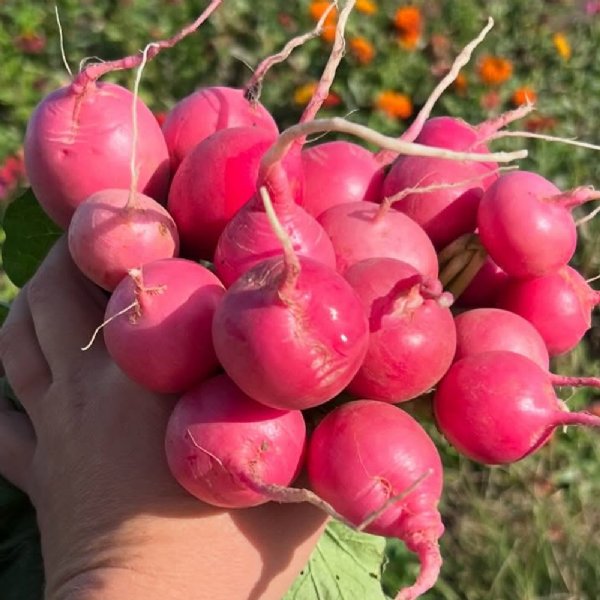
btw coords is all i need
(158, 324)
(114, 231)
(202, 206)
(360, 457)
(86, 128)
(339, 172)
(525, 223)
(206, 111)
(211, 109)
(249, 237)
(360, 230)
(486, 329)
(446, 213)
(559, 306)
(217, 437)
(290, 332)
(412, 336)
(499, 407)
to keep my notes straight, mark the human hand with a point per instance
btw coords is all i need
(90, 454)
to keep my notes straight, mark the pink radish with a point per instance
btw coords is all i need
(202, 206)
(448, 211)
(361, 456)
(339, 172)
(114, 231)
(249, 238)
(290, 332)
(486, 329)
(499, 407)
(445, 213)
(358, 230)
(158, 324)
(206, 111)
(412, 336)
(79, 138)
(525, 223)
(217, 437)
(88, 129)
(211, 109)
(559, 306)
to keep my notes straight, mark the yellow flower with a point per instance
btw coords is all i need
(304, 93)
(394, 104)
(409, 23)
(494, 70)
(523, 95)
(367, 7)
(561, 43)
(362, 49)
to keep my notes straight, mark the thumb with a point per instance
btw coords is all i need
(17, 445)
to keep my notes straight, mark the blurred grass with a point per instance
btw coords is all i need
(524, 532)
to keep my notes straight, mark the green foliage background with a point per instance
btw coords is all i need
(527, 531)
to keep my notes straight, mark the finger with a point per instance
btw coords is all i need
(21, 356)
(66, 309)
(17, 445)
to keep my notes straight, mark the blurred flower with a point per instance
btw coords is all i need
(362, 49)
(490, 100)
(592, 8)
(494, 70)
(11, 172)
(367, 7)
(561, 43)
(317, 10)
(160, 117)
(394, 104)
(318, 7)
(409, 23)
(30, 43)
(440, 45)
(461, 83)
(304, 93)
(537, 123)
(328, 33)
(523, 95)
(286, 20)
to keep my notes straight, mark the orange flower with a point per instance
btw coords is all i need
(494, 70)
(304, 93)
(561, 43)
(362, 49)
(523, 95)
(328, 33)
(367, 7)
(408, 19)
(318, 7)
(394, 104)
(461, 83)
(409, 23)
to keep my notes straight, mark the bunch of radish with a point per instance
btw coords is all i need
(327, 273)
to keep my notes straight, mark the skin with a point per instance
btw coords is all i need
(89, 453)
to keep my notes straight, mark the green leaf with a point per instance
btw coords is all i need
(29, 236)
(346, 564)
